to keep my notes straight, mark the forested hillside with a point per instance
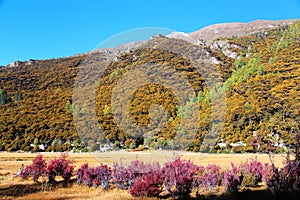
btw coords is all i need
(260, 76)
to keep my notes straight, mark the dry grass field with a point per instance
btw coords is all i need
(16, 188)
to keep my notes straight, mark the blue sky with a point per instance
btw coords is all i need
(41, 29)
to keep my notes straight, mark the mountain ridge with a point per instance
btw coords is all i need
(237, 28)
(205, 34)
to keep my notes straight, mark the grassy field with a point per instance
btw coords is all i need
(16, 188)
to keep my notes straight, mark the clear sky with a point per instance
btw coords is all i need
(41, 29)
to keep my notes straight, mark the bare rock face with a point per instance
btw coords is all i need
(113, 52)
(183, 36)
(205, 37)
(238, 29)
(14, 64)
(225, 47)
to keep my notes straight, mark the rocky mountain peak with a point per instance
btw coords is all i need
(239, 29)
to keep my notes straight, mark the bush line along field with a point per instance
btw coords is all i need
(195, 173)
(260, 77)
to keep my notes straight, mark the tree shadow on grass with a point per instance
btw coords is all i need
(252, 195)
(18, 190)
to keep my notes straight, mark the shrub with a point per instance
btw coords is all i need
(106, 110)
(249, 180)
(116, 73)
(147, 185)
(26, 172)
(124, 177)
(271, 177)
(36, 169)
(289, 175)
(101, 175)
(286, 178)
(178, 177)
(60, 167)
(232, 179)
(210, 177)
(120, 176)
(198, 176)
(83, 175)
(138, 168)
(252, 172)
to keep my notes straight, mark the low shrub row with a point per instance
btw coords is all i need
(95, 176)
(61, 166)
(177, 178)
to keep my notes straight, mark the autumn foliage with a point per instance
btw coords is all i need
(177, 178)
(261, 87)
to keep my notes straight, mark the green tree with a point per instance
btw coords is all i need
(106, 110)
(4, 98)
(247, 105)
(35, 142)
(68, 106)
(19, 96)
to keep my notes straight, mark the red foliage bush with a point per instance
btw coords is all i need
(290, 174)
(210, 177)
(60, 167)
(26, 172)
(286, 178)
(36, 169)
(271, 177)
(178, 177)
(148, 185)
(120, 176)
(255, 168)
(124, 176)
(252, 172)
(101, 175)
(83, 175)
(232, 179)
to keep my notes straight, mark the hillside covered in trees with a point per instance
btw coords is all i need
(259, 76)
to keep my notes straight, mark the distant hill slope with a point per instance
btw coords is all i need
(237, 29)
(259, 72)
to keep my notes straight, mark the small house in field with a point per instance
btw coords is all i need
(238, 144)
(222, 144)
